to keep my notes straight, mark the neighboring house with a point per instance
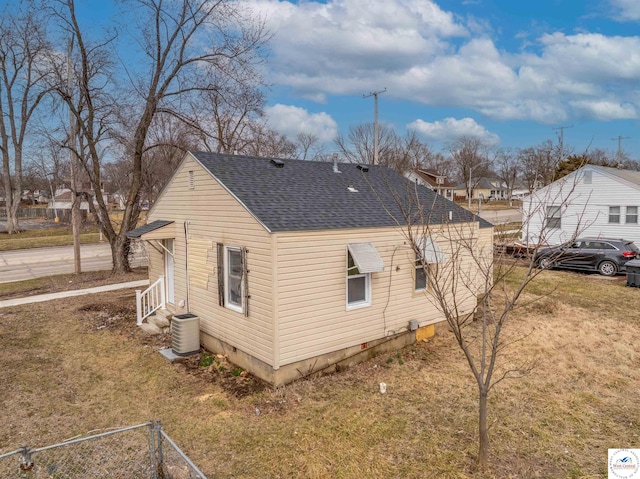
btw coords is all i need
(294, 266)
(63, 198)
(594, 201)
(433, 181)
(484, 188)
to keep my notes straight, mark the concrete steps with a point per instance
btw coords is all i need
(158, 323)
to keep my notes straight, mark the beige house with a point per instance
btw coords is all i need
(295, 267)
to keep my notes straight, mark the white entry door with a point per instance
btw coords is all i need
(168, 270)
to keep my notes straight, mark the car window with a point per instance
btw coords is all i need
(608, 246)
(591, 245)
(577, 244)
(631, 246)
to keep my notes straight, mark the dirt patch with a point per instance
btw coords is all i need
(217, 369)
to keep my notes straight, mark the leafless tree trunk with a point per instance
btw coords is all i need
(507, 168)
(476, 291)
(22, 88)
(182, 42)
(469, 154)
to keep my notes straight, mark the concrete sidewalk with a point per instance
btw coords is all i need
(68, 294)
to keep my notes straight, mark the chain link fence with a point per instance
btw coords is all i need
(144, 451)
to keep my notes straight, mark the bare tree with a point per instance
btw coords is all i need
(507, 167)
(23, 86)
(476, 290)
(263, 141)
(470, 157)
(223, 115)
(538, 164)
(181, 43)
(308, 147)
(357, 146)
(401, 153)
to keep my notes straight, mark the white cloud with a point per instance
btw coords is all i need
(626, 10)
(451, 129)
(423, 53)
(291, 120)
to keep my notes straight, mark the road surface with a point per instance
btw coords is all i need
(37, 262)
(502, 216)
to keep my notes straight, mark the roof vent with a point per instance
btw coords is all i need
(335, 163)
(363, 168)
(277, 163)
(352, 189)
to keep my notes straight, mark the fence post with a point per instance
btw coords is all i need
(160, 454)
(152, 451)
(26, 462)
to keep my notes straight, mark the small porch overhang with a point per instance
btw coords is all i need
(156, 230)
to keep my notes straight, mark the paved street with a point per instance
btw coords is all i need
(34, 263)
(502, 216)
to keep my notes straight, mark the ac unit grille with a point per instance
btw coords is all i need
(185, 334)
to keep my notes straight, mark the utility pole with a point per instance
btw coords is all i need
(75, 210)
(619, 153)
(375, 94)
(561, 139)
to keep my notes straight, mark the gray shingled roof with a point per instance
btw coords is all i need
(308, 195)
(629, 175)
(140, 230)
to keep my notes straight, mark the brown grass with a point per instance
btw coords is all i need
(67, 282)
(45, 237)
(69, 367)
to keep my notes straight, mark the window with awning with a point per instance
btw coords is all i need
(362, 260)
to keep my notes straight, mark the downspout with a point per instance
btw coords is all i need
(186, 260)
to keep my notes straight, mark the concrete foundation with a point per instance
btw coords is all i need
(319, 365)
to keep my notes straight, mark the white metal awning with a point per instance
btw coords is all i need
(366, 257)
(431, 251)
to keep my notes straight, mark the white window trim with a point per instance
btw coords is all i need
(419, 267)
(227, 302)
(626, 215)
(619, 215)
(367, 288)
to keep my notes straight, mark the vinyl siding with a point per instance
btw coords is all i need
(213, 216)
(585, 211)
(312, 287)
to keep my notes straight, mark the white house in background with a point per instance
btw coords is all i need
(594, 201)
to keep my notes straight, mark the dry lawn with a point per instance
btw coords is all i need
(72, 366)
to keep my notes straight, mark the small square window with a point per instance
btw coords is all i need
(614, 214)
(632, 215)
(554, 217)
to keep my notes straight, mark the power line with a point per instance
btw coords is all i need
(561, 139)
(375, 94)
(619, 153)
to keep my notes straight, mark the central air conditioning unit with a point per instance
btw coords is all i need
(185, 334)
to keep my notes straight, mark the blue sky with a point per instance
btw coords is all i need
(508, 71)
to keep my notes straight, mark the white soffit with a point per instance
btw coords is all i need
(366, 257)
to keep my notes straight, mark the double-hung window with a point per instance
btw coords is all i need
(358, 285)
(632, 215)
(554, 217)
(232, 278)
(614, 214)
(362, 260)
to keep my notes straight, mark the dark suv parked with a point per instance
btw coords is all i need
(608, 256)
